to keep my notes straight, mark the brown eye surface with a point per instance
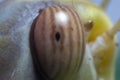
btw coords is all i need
(58, 39)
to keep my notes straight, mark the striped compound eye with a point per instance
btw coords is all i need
(58, 38)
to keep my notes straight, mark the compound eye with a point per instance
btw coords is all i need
(58, 42)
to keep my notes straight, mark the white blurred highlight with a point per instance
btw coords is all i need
(62, 18)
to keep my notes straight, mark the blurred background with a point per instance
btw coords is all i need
(113, 11)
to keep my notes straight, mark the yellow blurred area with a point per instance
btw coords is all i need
(89, 11)
(101, 23)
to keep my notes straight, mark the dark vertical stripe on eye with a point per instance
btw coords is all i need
(39, 66)
(44, 39)
(61, 48)
(62, 32)
(76, 26)
(42, 34)
(56, 67)
(82, 41)
(80, 38)
(70, 49)
(52, 47)
(52, 36)
(47, 16)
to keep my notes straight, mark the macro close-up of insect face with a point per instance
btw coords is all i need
(58, 37)
(57, 40)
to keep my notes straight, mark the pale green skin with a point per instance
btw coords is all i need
(15, 21)
(16, 62)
